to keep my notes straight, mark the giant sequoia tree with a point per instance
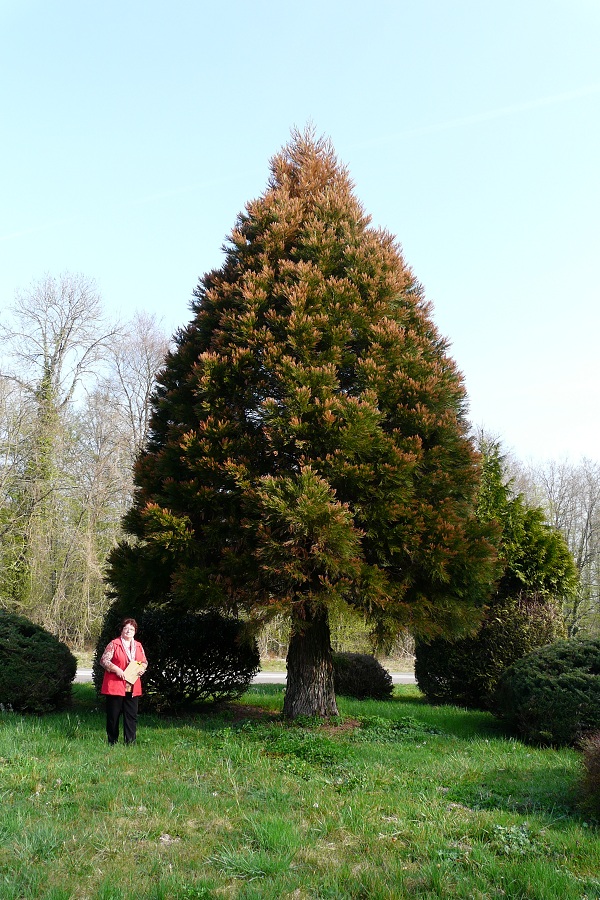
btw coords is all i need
(308, 439)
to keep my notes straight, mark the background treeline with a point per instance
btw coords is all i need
(74, 392)
(569, 492)
(74, 403)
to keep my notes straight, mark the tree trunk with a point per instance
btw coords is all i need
(310, 690)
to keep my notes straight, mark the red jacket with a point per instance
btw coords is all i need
(111, 683)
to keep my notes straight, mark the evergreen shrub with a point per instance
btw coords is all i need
(465, 672)
(552, 696)
(36, 669)
(362, 676)
(192, 657)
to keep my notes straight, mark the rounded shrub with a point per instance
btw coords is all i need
(552, 696)
(465, 672)
(192, 657)
(36, 669)
(362, 676)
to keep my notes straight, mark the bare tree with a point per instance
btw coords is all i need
(56, 336)
(15, 441)
(135, 357)
(571, 495)
(74, 400)
(55, 339)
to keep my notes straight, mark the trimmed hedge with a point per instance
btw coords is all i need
(552, 696)
(465, 672)
(362, 676)
(36, 669)
(192, 657)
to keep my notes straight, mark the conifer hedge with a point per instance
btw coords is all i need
(552, 696)
(362, 676)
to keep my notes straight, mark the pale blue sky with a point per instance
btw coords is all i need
(134, 131)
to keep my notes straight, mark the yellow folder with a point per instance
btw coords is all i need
(132, 672)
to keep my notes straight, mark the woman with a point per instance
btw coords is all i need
(122, 695)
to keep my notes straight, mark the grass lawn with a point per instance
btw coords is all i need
(396, 800)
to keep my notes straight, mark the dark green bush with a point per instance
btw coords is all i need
(465, 672)
(552, 696)
(192, 657)
(36, 669)
(360, 675)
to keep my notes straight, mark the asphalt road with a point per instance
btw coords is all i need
(84, 675)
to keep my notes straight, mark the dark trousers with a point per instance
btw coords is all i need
(116, 707)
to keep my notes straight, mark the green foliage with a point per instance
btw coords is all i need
(514, 840)
(306, 745)
(360, 675)
(36, 669)
(534, 557)
(536, 571)
(465, 672)
(192, 657)
(390, 731)
(552, 696)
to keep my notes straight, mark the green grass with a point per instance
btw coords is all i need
(394, 800)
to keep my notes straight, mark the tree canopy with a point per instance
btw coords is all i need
(309, 440)
(533, 555)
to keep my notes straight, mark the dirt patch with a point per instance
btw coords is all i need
(340, 727)
(239, 712)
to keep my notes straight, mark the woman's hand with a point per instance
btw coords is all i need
(119, 673)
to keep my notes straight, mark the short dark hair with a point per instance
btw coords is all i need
(128, 622)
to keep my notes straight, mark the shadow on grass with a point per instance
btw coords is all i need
(466, 724)
(209, 717)
(549, 790)
(406, 702)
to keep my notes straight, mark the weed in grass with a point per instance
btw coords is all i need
(347, 780)
(381, 730)
(304, 745)
(513, 840)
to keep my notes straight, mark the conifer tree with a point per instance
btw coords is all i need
(309, 441)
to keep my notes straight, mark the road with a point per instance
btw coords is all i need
(85, 675)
